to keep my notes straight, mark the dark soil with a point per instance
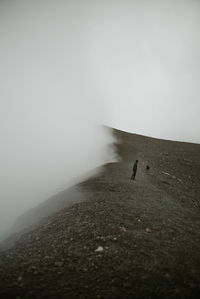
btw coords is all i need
(147, 232)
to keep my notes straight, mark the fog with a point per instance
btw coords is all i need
(51, 123)
(69, 67)
(146, 58)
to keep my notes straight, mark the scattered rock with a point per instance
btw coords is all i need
(47, 257)
(99, 249)
(166, 173)
(123, 229)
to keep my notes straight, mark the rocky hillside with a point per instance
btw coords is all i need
(127, 239)
(174, 166)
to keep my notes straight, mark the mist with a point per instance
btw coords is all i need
(146, 59)
(69, 67)
(51, 123)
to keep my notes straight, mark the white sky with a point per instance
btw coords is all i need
(68, 66)
(146, 60)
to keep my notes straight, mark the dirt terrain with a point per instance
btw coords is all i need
(128, 239)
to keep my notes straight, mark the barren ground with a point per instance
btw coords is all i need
(148, 231)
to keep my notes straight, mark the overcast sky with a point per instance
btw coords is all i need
(146, 60)
(67, 67)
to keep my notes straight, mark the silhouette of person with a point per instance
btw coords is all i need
(134, 170)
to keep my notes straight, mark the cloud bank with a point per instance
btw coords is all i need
(50, 117)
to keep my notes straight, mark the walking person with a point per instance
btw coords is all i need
(134, 170)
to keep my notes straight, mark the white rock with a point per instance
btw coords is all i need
(99, 249)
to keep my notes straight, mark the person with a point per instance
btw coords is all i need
(134, 170)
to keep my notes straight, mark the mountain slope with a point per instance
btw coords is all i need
(128, 239)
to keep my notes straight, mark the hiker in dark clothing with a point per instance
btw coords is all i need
(134, 170)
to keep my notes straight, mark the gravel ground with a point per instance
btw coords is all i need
(128, 239)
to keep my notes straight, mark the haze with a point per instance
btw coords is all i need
(68, 67)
